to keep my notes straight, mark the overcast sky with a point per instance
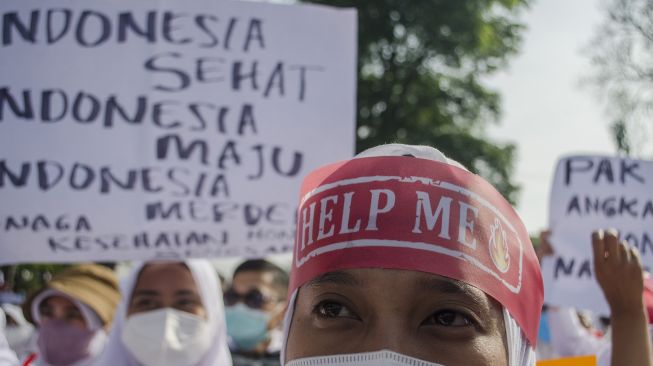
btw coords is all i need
(545, 110)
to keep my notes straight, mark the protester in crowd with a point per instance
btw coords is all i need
(544, 349)
(73, 312)
(19, 331)
(7, 356)
(570, 333)
(618, 270)
(224, 286)
(569, 336)
(171, 314)
(544, 248)
(403, 257)
(255, 308)
(586, 319)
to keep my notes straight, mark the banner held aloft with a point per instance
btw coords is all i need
(590, 193)
(133, 133)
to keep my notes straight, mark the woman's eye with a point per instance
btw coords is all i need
(74, 315)
(330, 309)
(187, 303)
(46, 312)
(144, 303)
(449, 318)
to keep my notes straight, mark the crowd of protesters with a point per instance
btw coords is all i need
(371, 296)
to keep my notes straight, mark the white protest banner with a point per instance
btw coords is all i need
(166, 129)
(589, 193)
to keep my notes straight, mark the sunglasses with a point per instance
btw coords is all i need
(253, 299)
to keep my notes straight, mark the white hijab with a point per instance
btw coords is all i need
(20, 336)
(23, 329)
(115, 352)
(7, 356)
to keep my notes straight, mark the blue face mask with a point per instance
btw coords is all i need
(246, 327)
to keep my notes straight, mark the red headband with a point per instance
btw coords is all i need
(414, 214)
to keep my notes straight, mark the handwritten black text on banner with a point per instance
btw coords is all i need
(133, 133)
(589, 193)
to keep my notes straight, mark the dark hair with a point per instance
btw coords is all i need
(280, 277)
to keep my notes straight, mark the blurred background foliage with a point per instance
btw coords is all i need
(420, 71)
(621, 55)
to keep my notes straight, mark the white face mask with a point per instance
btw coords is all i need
(379, 358)
(166, 337)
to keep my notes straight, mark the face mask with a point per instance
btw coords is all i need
(63, 344)
(247, 327)
(379, 358)
(18, 335)
(166, 337)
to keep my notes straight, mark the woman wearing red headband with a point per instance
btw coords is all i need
(403, 257)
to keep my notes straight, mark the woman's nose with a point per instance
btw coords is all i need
(391, 334)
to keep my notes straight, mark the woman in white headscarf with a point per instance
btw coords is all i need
(403, 257)
(7, 356)
(19, 331)
(172, 313)
(73, 312)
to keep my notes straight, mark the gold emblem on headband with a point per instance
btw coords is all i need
(498, 247)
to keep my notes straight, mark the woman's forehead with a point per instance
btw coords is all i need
(58, 300)
(169, 269)
(166, 276)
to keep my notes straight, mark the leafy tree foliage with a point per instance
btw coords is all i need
(421, 65)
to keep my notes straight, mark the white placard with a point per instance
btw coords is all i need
(166, 129)
(589, 193)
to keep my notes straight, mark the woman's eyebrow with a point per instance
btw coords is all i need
(145, 292)
(71, 307)
(186, 293)
(450, 287)
(335, 278)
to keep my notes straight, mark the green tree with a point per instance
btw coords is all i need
(420, 70)
(26, 278)
(621, 55)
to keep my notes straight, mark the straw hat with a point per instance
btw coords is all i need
(94, 285)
